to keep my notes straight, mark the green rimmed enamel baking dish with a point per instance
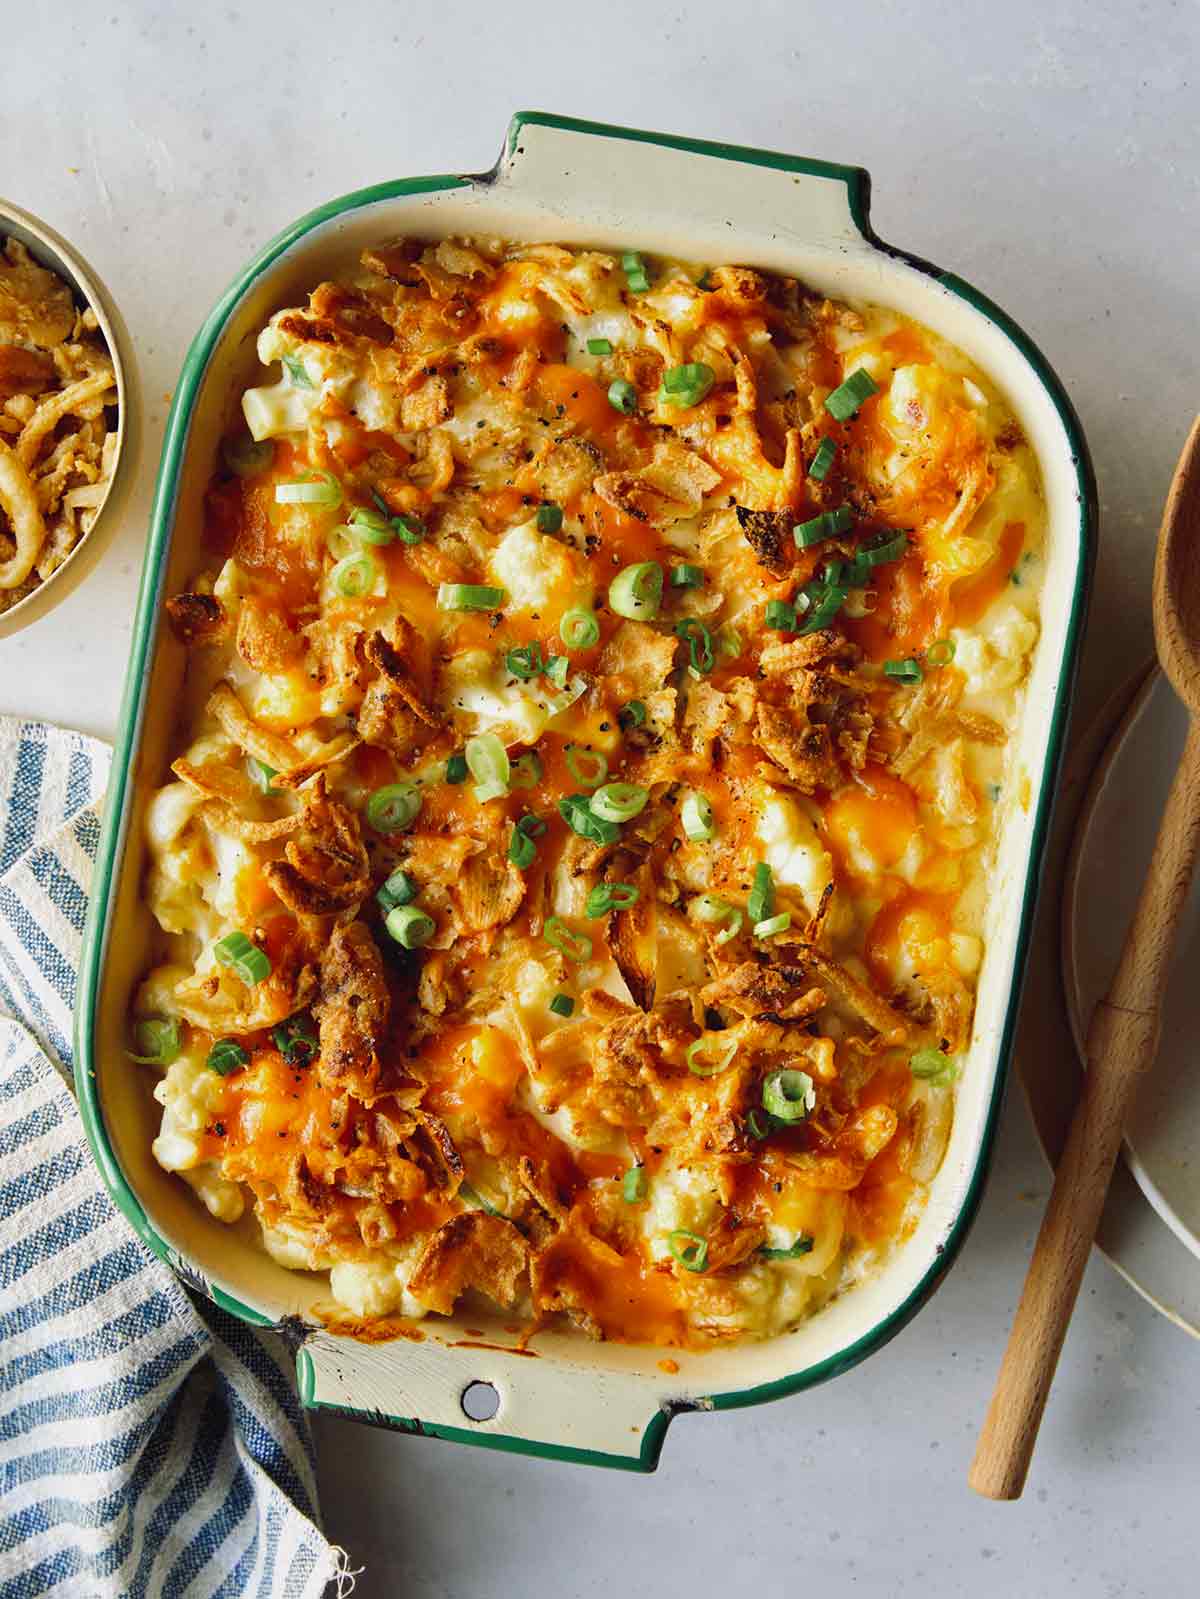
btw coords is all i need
(585, 183)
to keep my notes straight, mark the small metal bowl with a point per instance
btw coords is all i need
(54, 252)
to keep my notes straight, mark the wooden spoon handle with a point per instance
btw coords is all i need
(1121, 1043)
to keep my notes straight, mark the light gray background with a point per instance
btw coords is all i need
(1048, 154)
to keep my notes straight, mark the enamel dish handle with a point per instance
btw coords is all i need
(736, 194)
(537, 1404)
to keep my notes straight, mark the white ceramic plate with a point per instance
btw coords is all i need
(1112, 851)
(1133, 1237)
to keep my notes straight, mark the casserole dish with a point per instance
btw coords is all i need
(572, 182)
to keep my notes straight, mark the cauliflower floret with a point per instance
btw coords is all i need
(793, 849)
(680, 1197)
(378, 1287)
(190, 1095)
(994, 656)
(221, 1198)
(538, 572)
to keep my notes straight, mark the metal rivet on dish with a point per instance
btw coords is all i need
(479, 1401)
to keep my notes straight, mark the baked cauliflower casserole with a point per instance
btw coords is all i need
(600, 687)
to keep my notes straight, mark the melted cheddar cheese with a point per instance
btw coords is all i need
(695, 938)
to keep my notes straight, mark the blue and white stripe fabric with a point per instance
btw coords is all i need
(150, 1444)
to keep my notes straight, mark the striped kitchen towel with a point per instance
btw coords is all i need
(150, 1444)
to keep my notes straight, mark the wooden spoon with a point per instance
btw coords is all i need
(1123, 1037)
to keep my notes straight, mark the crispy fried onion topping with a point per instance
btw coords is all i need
(473, 1250)
(19, 503)
(352, 1011)
(325, 868)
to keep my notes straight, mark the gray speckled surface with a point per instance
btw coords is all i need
(1049, 154)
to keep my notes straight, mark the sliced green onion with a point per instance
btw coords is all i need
(699, 643)
(818, 467)
(242, 957)
(941, 652)
(637, 591)
(525, 771)
(699, 1067)
(829, 525)
(848, 396)
(687, 385)
(619, 802)
(562, 1005)
(622, 396)
(579, 629)
(711, 907)
(297, 375)
(549, 518)
(577, 812)
(780, 615)
(316, 488)
(855, 574)
(689, 1249)
(773, 925)
(557, 668)
(392, 808)
(525, 661)
(803, 1245)
(883, 550)
(409, 529)
(758, 1123)
(575, 946)
(788, 1095)
(599, 347)
(632, 715)
(247, 457)
(296, 1040)
(471, 1196)
(522, 851)
(409, 926)
(488, 762)
(575, 689)
(343, 541)
(372, 526)
(262, 775)
(761, 903)
(159, 1042)
(588, 767)
(398, 889)
(470, 597)
(634, 269)
(606, 897)
(226, 1056)
(633, 1185)
(696, 814)
(354, 576)
(933, 1066)
(907, 671)
(456, 769)
(825, 603)
(687, 577)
